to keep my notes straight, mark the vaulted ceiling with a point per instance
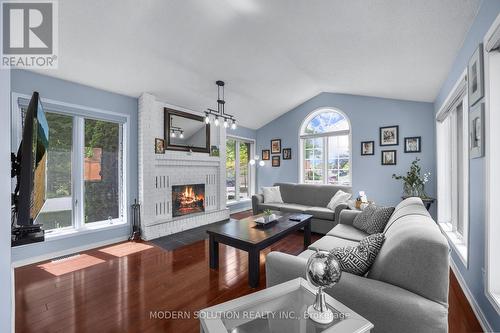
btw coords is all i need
(273, 54)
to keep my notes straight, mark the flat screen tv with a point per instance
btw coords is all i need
(30, 193)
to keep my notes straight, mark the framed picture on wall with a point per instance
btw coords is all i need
(276, 146)
(367, 148)
(389, 157)
(276, 162)
(413, 144)
(476, 131)
(159, 146)
(287, 153)
(266, 154)
(389, 135)
(475, 80)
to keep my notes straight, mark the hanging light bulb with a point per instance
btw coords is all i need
(252, 162)
(181, 135)
(172, 134)
(216, 121)
(207, 119)
(226, 124)
(262, 163)
(233, 125)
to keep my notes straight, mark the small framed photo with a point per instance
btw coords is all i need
(276, 162)
(475, 79)
(476, 131)
(276, 146)
(367, 148)
(287, 153)
(389, 157)
(389, 135)
(159, 146)
(266, 154)
(214, 151)
(413, 144)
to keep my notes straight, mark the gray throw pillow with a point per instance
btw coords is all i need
(362, 219)
(358, 259)
(373, 219)
(379, 219)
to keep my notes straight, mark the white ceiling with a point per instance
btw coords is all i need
(273, 54)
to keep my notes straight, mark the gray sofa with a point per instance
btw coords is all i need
(306, 198)
(406, 289)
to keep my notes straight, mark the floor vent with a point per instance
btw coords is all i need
(69, 256)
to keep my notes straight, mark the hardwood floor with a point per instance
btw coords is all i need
(117, 288)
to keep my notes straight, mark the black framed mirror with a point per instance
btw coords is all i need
(185, 131)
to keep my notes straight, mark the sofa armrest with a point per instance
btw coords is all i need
(338, 210)
(257, 199)
(390, 308)
(347, 216)
(282, 267)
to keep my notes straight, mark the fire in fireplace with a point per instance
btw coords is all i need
(188, 199)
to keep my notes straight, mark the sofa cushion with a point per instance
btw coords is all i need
(407, 210)
(272, 206)
(363, 219)
(321, 213)
(358, 259)
(327, 243)
(312, 195)
(293, 208)
(379, 220)
(347, 232)
(306, 254)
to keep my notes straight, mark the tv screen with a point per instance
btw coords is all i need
(32, 157)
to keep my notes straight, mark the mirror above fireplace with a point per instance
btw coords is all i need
(185, 131)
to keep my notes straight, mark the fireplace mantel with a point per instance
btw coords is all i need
(159, 172)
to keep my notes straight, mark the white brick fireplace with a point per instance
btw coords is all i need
(159, 172)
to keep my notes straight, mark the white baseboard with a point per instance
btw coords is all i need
(472, 301)
(72, 250)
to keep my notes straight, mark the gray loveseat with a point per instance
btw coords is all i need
(305, 198)
(406, 289)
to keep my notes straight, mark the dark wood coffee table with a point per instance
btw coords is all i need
(248, 236)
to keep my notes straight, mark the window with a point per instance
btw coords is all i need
(238, 171)
(492, 156)
(453, 169)
(84, 184)
(325, 148)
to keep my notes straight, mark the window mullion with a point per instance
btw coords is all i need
(325, 160)
(237, 170)
(78, 188)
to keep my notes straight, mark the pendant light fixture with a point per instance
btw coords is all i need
(220, 114)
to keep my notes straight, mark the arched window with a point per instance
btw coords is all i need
(325, 144)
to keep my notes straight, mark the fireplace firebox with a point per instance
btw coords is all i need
(188, 199)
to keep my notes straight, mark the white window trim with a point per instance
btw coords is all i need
(251, 171)
(457, 95)
(79, 112)
(492, 161)
(301, 136)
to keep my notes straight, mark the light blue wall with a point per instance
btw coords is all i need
(25, 82)
(366, 114)
(473, 275)
(5, 264)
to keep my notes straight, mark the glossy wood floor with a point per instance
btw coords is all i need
(115, 288)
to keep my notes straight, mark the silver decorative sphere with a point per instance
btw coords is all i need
(323, 270)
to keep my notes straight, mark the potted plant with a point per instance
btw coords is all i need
(414, 182)
(268, 215)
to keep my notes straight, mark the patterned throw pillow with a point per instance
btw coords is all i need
(358, 260)
(362, 219)
(379, 219)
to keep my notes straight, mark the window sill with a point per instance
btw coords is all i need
(235, 202)
(457, 244)
(61, 234)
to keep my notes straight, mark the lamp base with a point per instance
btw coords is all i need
(321, 317)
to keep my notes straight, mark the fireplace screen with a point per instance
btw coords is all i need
(188, 199)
